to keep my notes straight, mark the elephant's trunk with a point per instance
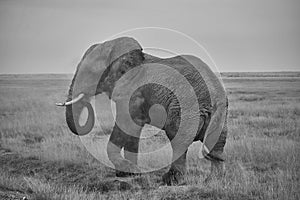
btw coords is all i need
(74, 109)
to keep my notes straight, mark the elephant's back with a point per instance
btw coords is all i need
(190, 73)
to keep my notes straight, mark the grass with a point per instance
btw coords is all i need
(41, 159)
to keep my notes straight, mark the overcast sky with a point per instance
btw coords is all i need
(50, 36)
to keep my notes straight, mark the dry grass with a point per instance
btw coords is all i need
(49, 162)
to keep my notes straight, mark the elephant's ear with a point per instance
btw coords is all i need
(132, 79)
(96, 60)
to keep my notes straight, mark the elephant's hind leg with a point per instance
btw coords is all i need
(217, 170)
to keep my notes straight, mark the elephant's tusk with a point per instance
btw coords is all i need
(80, 96)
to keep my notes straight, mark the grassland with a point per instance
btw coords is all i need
(41, 159)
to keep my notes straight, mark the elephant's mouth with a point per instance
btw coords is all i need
(80, 115)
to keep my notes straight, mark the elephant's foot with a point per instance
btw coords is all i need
(126, 168)
(217, 172)
(173, 177)
(124, 174)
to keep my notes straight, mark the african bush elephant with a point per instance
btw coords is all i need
(103, 65)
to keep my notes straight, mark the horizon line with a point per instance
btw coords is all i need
(58, 73)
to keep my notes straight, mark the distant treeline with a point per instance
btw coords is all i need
(261, 74)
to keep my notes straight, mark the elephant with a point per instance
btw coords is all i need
(101, 70)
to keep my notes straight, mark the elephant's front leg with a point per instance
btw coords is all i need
(131, 149)
(117, 141)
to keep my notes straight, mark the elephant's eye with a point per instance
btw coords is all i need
(123, 72)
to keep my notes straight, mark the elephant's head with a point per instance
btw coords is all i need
(99, 69)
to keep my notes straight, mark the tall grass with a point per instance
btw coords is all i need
(262, 149)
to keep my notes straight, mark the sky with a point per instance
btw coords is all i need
(50, 36)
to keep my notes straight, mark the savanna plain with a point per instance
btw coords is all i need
(41, 159)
